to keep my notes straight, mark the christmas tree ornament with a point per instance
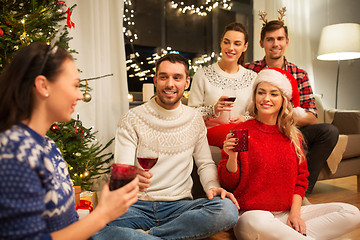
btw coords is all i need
(68, 19)
(54, 127)
(87, 95)
(1, 32)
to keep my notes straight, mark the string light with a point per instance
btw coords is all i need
(146, 69)
(201, 10)
(128, 21)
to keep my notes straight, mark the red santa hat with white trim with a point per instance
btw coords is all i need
(286, 83)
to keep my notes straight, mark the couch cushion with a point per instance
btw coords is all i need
(319, 108)
(337, 153)
(352, 148)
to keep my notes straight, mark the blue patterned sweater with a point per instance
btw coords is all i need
(36, 195)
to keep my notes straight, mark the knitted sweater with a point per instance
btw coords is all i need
(208, 85)
(181, 134)
(268, 173)
(36, 195)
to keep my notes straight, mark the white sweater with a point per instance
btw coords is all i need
(182, 137)
(208, 85)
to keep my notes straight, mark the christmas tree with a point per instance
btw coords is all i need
(26, 21)
(81, 151)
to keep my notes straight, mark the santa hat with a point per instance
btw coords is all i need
(286, 83)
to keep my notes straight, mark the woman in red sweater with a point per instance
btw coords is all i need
(269, 179)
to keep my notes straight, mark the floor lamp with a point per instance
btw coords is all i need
(339, 42)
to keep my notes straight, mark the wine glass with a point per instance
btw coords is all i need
(121, 174)
(147, 155)
(230, 96)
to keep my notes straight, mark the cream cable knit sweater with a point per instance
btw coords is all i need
(182, 137)
(208, 85)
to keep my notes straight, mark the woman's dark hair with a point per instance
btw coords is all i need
(235, 26)
(17, 81)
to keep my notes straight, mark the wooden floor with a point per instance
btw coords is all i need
(334, 190)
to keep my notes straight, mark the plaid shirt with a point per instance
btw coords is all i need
(307, 100)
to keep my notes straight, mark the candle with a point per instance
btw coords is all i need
(130, 97)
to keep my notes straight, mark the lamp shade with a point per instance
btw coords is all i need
(340, 42)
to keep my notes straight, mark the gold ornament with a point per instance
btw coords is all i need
(86, 173)
(23, 38)
(87, 97)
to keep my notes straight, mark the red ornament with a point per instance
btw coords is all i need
(54, 127)
(1, 32)
(68, 19)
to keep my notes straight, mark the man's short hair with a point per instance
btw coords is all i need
(173, 58)
(272, 26)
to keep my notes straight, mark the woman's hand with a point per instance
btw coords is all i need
(113, 204)
(222, 105)
(229, 144)
(297, 223)
(294, 220)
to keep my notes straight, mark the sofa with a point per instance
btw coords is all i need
(344, 161)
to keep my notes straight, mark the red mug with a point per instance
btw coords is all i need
(243, 139)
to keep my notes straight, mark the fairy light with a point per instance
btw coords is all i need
(128, 20)
(202, 10)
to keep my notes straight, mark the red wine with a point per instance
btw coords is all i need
(230, 99)
(147, 163)
(118, 183)
(121, 174)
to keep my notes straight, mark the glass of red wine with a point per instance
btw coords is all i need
(229, 96)
(121, 174)
(147, 156)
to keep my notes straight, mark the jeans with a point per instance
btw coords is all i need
(320, 140)
(182, 219)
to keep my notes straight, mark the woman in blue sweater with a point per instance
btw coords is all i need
(41, 86)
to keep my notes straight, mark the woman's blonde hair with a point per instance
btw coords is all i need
(285, 123)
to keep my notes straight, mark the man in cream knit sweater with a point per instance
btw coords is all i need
(178, 133)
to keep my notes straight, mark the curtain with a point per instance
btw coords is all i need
(298, 21)
(98, 38)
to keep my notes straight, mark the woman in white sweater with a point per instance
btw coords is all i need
(210, 84)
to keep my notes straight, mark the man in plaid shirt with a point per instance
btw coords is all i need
(320, 138)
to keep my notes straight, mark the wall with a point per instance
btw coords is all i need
(328, 12)
(322, 73)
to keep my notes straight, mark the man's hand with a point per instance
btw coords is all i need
(213, 192)
(308, 119)
(144, 179)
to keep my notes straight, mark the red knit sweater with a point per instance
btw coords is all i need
(268, 173)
